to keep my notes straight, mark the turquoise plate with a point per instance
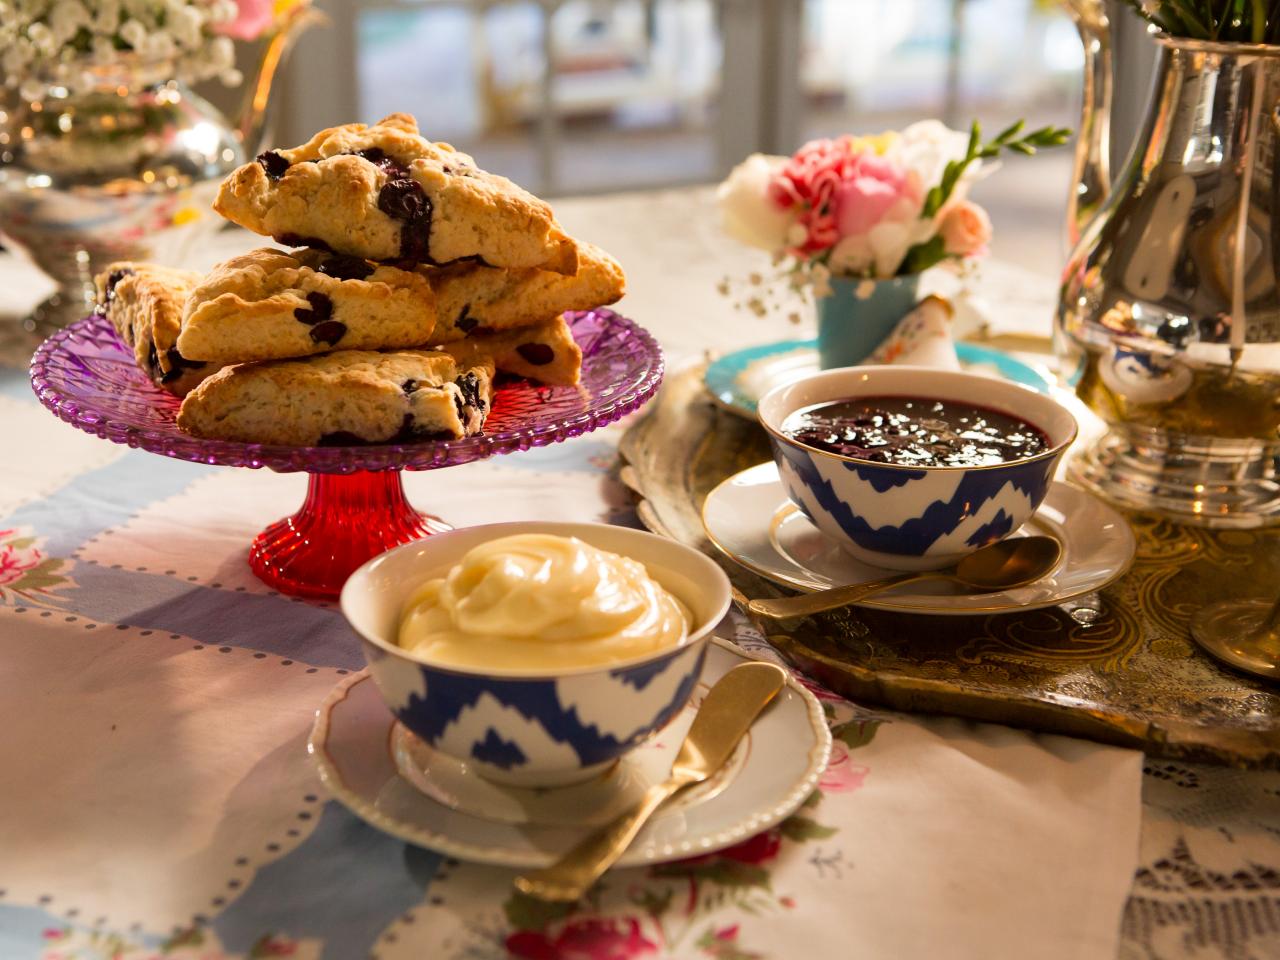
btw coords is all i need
(737, 380)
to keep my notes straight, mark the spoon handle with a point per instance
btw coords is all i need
(810, 603)
(573, 874)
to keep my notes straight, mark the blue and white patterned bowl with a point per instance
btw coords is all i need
(914, 518)
(527, 729)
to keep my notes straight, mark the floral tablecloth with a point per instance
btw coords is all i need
(156, 799)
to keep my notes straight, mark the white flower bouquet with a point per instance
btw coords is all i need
(45, 42)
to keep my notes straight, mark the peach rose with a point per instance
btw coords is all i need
(965, 229)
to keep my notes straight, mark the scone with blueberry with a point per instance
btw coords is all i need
(343, 398)
(267, 305)
(144, 302)
(475, 299)
(545, 352)
(384, 192)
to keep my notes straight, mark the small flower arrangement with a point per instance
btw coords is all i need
(876, 207)
(61, 41)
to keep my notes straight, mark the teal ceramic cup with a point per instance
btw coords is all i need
(859, 314)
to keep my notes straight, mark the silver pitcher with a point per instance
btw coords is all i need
(1169, 312)
(126, 170)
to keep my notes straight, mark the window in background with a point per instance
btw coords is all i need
(581, 96)
(870, 65)
(595, 95)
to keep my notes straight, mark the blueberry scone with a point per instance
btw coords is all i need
(545, 352)
(268, 305)
(341, 398)
(144, 303)
(473, 299)
(386, 193)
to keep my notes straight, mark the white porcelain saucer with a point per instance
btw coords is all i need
(392, 780)
(751, 520)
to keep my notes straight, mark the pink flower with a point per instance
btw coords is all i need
(252, 20)
(965, 229)
(759, 849)
(842, 774)
(843, 189)
(16, 561)
(589, 938)
(809, 181)
(876, 188)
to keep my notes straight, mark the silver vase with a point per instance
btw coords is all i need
(124, 171)
(127, 169)
(1169, 314)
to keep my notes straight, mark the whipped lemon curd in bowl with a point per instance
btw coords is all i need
(536, 653)
(537, 601)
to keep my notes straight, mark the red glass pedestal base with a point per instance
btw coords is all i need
(345, 520)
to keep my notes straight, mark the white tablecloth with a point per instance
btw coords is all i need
(155, 796)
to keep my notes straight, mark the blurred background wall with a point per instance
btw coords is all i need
(586, 96)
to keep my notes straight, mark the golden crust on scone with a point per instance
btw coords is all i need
(341, 398)
(268, 304)
(545, 352)
(384, 192)
(144, 302)
(473, 299)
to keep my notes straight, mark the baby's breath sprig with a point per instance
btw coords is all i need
(49, 43)
(785, 293)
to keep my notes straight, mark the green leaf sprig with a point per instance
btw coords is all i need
(1233, 21)
(933, 251)
(1007, 139)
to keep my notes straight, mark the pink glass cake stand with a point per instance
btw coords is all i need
(355, 506)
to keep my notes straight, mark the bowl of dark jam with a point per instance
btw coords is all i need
(912, 468)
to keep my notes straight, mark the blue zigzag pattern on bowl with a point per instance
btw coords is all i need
(883, 480)
(501, 753)
(449, 694)
(915, 536)
(640, 676)
(1000, 526)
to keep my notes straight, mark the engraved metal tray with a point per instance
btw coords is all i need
(1118, 667)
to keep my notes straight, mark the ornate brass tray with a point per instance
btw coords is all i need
(1118, 667)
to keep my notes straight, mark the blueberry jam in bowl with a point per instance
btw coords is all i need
(912, 468)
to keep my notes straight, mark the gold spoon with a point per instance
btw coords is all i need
(727, 712)
(997, 566)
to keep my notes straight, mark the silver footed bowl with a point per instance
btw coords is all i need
(126, 171)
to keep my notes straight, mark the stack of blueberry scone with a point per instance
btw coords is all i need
(416, 276)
